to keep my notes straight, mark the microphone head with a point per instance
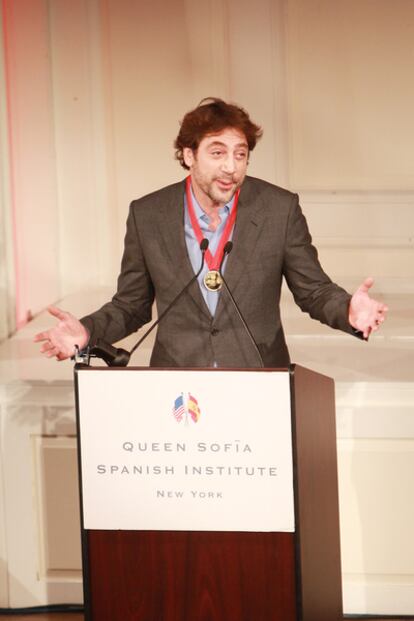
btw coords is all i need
(226, 250)
(204, 244)
(228, 247)
(121, 359)
(113, 356)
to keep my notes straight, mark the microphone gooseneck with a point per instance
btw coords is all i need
(203, 247)
(226, 251)
(118, 357)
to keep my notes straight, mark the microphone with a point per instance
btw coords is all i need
(118, 357)
(228, 247)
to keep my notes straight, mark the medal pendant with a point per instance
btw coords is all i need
(213, 280)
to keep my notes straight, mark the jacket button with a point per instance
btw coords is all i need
(214, 331)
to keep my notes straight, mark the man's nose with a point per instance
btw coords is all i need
(229, 164)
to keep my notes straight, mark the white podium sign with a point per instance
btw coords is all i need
(186, 450)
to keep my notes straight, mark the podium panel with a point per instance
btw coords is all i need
(186, 450)
(214, 502)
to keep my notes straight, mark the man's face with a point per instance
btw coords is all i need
(218, 167)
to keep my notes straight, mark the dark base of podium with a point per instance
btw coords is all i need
(182, 576)
(234, 576)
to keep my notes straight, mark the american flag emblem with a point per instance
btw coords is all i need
(179, 409)
(186, 409)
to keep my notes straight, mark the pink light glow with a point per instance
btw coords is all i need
(21, 315)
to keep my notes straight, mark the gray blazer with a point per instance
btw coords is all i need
(270, 240)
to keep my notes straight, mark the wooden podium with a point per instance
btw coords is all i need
(155, 575)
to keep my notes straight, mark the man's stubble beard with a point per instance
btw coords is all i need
(218, 197)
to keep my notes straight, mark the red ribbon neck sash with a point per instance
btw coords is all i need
(213, 262)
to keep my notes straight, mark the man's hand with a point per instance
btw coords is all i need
(366, 314)
(60, 340)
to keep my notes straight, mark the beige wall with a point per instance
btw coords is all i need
(96, 89)
(351, 95)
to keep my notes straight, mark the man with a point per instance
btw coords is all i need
(162, 252)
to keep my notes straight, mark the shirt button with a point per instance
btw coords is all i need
(214, 331)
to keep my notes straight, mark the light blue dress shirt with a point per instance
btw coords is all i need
(193, 246)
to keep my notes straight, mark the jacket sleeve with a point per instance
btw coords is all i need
(312, 289)
(130, 308)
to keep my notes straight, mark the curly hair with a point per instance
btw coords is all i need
(211, 116)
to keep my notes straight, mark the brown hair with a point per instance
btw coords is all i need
(211, 116)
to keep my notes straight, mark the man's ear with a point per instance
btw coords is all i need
(188, 155)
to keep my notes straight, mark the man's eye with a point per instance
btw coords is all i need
(241, 156)
(217, 153)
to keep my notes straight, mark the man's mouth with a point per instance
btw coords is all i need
(225, 184)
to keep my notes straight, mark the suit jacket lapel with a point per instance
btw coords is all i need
(250, 218)
(249, 222)
(172, 230)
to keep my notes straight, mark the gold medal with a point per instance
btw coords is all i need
(213, 280)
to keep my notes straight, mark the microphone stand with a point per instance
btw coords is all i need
(203, 247)
(226, 251)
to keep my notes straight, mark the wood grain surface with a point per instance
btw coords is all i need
(188, 576)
